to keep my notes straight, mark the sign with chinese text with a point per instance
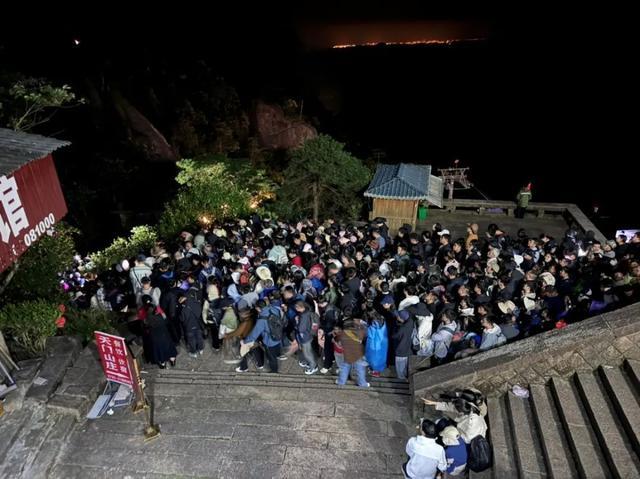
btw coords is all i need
(31, 202)
(113, 355)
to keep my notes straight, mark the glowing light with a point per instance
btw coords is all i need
(205, 220)
(413, 42)
(76, 42)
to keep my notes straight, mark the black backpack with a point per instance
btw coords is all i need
(480, 454)
(276, 325)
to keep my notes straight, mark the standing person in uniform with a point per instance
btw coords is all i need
(523, 199)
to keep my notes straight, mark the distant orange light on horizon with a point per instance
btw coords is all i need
(412, 42)
(345, 35)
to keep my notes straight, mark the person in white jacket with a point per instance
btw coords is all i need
(426, 457)
(467, 416)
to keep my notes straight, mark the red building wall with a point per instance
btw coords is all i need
(41, 196)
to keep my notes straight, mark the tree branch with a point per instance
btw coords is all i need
(9, 276)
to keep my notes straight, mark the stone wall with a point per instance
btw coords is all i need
(602, 340)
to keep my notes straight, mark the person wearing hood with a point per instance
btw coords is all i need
(410, 298)
(304, 337)
(426, 457)
(492, 335)
(402, 343)
(455, 451)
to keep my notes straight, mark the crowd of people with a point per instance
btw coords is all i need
(355, 297)
(343, 297)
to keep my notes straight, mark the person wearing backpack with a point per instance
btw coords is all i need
(467, 412)
(304, 336)
(466, 415)
(492, 335)
(351, 338)
(456, 452)
(268, 331)
(427, 459)
(438, 344)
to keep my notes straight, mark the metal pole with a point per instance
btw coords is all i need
(151, 431)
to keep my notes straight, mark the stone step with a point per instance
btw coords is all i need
(528, 451)
(609, 432)
(556, 450)
(60, 353)
(582, 440)
(623, 395)
(278, 384)
(487, 474)
(391, 383)
(504, 464)
(397, 383)
(632, 368)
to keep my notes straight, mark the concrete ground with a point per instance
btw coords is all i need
(456, 222)
(216, 423)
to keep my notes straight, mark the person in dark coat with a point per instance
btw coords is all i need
(158, 345)
(402, 342)
(169, 304)
(190, 317)
(329, 320)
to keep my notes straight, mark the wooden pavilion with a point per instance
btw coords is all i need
(397, 190)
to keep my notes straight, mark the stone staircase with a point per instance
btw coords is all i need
(218, 423)
(163, 378)
(585, 426)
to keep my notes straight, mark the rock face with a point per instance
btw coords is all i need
(142, 132)
(276, 131)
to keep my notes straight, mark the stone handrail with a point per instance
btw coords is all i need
(601, 340)
(570, 211)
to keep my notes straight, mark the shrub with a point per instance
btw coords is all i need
(83, 322)
(142, 239)
(27, 325)
(37, 274)
(213, 188)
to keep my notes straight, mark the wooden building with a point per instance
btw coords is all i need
(397, 190)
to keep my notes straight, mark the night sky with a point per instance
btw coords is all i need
(540, 96)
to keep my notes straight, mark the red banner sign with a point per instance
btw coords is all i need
(31, 202)
(113, 355)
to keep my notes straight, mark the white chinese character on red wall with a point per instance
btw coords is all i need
(14, 213)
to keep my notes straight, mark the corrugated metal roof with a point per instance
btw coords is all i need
(18, 149)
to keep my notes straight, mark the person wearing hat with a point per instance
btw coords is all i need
(402, 343)
(426, 457)
(455, 451)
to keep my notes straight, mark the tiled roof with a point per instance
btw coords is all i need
(18, 149)
(404, 181)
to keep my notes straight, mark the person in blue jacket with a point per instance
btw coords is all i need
(455, 450)
(271, 340)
